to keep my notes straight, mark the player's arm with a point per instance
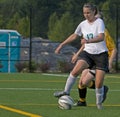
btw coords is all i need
(75, 56)
(112, 57)
(100, 34)
(68, 40)
(99, 38)
(112, 50)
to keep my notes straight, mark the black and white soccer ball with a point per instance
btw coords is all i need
(65, 102)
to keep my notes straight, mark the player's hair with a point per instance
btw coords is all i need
(101, 14)
(92, 7)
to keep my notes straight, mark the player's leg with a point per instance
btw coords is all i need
(101, 69)
(85, 80)
(80, 65)
(99, 88)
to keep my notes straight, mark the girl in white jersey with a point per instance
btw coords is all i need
(93, 54)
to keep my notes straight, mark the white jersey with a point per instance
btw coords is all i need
(90, 31)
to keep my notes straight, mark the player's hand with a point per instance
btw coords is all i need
(83, 41)
(57, 51)
(74, 58)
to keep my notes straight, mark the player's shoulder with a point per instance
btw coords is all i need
(99, 20)
(83, 22)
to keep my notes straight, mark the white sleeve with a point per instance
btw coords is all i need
(78, 30)
(101, 26)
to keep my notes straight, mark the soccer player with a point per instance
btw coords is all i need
(88, 75)
(95, 52)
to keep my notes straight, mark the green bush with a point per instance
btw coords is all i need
(44, 66)
(20, 66)
(64, 66)
(24, 66)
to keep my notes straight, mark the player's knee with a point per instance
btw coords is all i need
(75, 74)
(81, 86)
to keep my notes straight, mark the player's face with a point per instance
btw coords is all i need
(88, 14)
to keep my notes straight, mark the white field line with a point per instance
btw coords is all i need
(63, 75)
(46, 89)
(66, 75)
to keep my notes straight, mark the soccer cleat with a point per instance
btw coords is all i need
(79, 103)
(105, 93)
(61, 93)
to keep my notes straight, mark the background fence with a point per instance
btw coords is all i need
(35, 50)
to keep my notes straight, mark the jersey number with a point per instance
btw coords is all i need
(90, 36)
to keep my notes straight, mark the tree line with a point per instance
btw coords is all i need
(52, 19)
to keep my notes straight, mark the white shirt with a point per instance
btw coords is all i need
(89, 31)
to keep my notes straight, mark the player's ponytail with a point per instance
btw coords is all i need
(96, 10)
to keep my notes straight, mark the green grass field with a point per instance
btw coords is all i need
(31, 95)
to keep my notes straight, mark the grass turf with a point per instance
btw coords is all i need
(32, 95)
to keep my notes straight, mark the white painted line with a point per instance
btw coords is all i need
(66, 75)
(63, 75)
(47, 89)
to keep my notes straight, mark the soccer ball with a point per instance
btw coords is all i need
(65, 102)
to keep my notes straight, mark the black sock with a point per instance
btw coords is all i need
(82, 94)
